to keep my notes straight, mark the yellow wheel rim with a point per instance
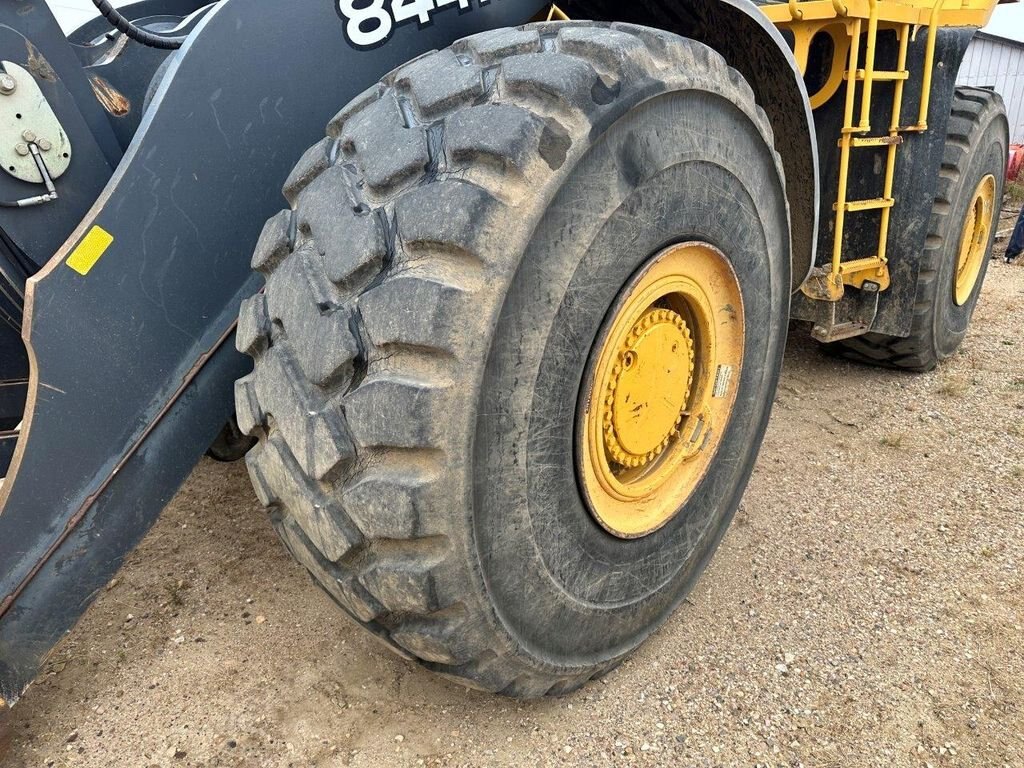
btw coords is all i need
(974, 240)
(660, 389)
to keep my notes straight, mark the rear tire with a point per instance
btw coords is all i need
(453, 248)
(976, 147)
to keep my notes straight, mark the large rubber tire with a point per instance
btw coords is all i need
(432, 297)
(977, 142)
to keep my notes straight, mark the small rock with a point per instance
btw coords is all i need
(73, 736)
(260, 619)
(399, 738)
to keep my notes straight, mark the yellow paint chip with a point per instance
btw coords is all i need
(89, 251)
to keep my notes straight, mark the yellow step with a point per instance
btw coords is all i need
(876, 204)
(871, 270)
(875, 141)
(880, 75)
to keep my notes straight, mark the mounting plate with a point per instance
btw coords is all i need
(25, 117)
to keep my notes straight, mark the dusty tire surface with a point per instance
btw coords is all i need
(432, 293)
(976, 145)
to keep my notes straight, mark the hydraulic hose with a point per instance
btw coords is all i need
(136, 33)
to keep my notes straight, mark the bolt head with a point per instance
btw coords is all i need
(7, 84)
(44, 145)
(28, 136)
(21, 149)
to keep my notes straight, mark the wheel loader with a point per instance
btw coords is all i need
(501, 358)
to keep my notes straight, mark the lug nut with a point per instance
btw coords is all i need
(44, 145)
(7, 84)
(21, 149)
(28, 136)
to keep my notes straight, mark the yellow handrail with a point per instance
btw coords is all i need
(558, 13)
(844, 158)
(929, 65)
(894, 131)
(869, 67)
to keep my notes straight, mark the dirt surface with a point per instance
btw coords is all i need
(864, 610)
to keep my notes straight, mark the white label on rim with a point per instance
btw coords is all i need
(722, 381)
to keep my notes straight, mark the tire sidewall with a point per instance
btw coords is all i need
(682, 166)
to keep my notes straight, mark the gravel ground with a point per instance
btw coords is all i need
(865, 610)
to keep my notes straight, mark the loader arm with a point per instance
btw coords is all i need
(129, 326)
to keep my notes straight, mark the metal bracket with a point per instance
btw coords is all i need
(823, 285)
(853, 316)
(27, 120)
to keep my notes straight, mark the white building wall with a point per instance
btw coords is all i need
(999, 65)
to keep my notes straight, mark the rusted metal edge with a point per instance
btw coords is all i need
(77, 518)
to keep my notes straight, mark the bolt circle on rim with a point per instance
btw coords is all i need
(657, 356)
(974, 240)
(660, 388)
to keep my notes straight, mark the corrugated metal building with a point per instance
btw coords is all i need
(997, 63)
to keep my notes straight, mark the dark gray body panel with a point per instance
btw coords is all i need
(114, 350)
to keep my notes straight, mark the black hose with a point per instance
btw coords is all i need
(136, 33)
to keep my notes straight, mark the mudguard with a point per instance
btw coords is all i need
(752, 45)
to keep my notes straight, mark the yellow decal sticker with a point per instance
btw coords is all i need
(89, 251)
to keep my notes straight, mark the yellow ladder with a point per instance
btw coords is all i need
(874, 269)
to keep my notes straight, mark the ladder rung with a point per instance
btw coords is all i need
(875, 141)
(881, 75)
(867, 205)
(861, 265)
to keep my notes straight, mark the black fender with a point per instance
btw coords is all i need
(132, 362)
(752, 45)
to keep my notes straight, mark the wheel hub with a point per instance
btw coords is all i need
(648, 389)
(660, 389)
(974, 240)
